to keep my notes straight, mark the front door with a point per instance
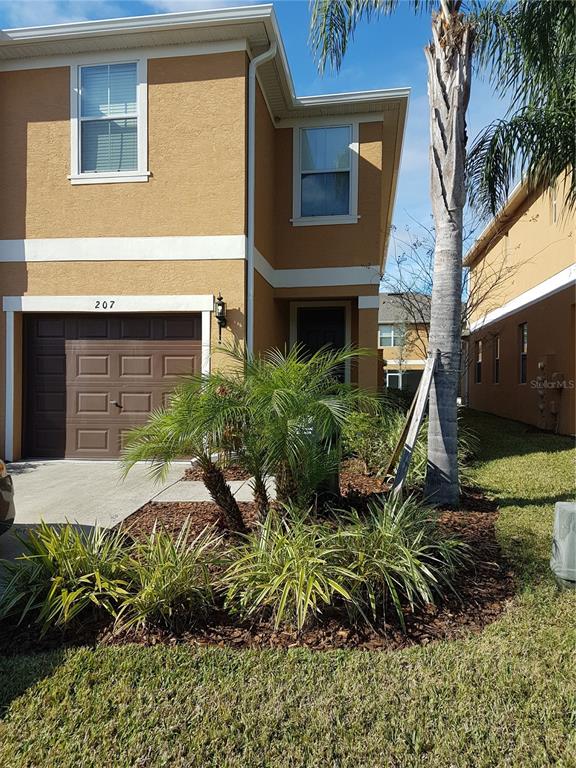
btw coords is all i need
(321, 326)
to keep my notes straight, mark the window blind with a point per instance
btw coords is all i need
(107, 93)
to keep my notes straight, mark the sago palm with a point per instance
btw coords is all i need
(449, 56)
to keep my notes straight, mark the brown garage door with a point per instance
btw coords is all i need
(89, 379)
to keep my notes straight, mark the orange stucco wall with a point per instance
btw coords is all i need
(551, 345)
(197, 156)
(533, 249)
(342, 245)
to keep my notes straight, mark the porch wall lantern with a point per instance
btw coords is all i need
(220, 314)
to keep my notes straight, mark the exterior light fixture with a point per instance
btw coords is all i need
(220, 313)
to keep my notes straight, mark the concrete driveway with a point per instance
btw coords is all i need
(93, 493)
(84, 492)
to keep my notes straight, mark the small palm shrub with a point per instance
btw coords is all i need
(63, 572)
(171, 581)
(398, 556)
(291, 570)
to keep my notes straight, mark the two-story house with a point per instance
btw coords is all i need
(149, 166)
(522, 335)
(403, 323)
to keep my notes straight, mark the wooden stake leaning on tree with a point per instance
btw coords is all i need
(413, 424)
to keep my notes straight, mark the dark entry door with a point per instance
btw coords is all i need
(90, 379)
(321, 326)
(318, 327)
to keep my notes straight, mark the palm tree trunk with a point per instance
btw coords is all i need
(221, 494)
(449, 64)
(261, 496)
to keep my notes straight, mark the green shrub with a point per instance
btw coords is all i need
(373, 438)
(63, 572)
(398, 556)
(170, 579)
(291, 569)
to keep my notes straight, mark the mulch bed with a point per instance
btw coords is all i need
(484, 589)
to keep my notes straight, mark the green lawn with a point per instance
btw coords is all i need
(506, 697)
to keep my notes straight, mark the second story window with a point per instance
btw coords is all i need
(109, 123)
(390, 336)
(325, 187)
(523, 345)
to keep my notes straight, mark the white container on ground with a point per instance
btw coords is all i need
(563, 560)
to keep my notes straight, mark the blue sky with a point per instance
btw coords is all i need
(387, 53)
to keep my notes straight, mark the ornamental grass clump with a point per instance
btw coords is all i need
(64, 572)
(399, 556)
(171, 579)
(291, 570)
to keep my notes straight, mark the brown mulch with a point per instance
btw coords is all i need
(484, 590)
(173, 514)
(233, 472)
(354, 481)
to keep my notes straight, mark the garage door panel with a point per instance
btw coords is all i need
(136, 365)
(74, 377)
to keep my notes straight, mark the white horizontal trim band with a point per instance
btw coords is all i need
(548, 287)
(368, 302)
(404, 362)
(125, 248)
(106, 303)
(316, 277)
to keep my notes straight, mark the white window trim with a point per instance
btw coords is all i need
(397, 330)
(141, 173)
(394, 373)
(350, 218)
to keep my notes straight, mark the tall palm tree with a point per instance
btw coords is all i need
(449, 56)
(529, 48)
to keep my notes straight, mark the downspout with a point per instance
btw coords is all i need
(254, 64)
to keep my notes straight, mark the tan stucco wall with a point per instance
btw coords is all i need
(551, 341)
(197, 156)
(533, 250)
(341, 245)
(368, 367)
(271, 317)
(121, 278)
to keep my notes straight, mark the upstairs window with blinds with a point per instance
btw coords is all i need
(108, 118)
(325, 166)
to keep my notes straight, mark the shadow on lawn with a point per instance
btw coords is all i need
(18, 673)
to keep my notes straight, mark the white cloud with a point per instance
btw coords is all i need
(25, 13)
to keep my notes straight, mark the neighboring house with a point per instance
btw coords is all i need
(522, 340)
(403, 323)
(150, 164)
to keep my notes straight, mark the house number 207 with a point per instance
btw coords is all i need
(104, 304)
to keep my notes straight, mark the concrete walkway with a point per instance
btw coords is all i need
(93, 493)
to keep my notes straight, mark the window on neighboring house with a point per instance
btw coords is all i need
(394, 379)
(390, 336)
(478, 364)
(496, 368)
(324, 190)
(523, 344)
(110, 127)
